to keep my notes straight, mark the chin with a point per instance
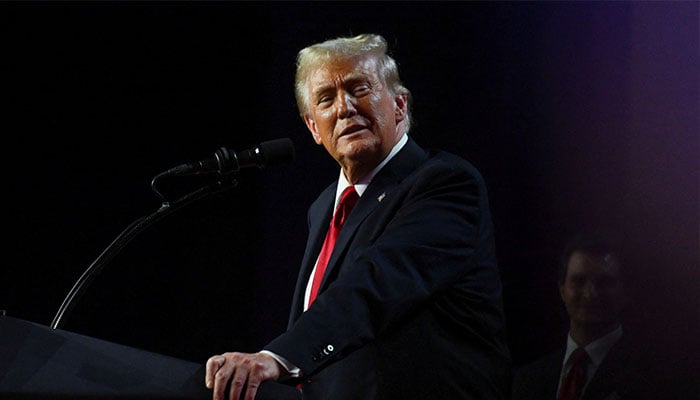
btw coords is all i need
(361, 150)
(596, 320)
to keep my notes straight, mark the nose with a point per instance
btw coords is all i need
(346, 105)
(590, 291)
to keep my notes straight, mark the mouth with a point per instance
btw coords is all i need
(351, 129)
(592, 308)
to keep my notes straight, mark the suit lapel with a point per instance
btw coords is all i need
(377, 191)
(553, 374)
(610, 374)
(319, 219)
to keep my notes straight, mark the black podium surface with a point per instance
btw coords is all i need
(41, 363)
(38, 362)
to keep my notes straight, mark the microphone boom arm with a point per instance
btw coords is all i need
(225, 163)
(126, 236)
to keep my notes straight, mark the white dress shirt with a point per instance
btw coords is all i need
(597, 350)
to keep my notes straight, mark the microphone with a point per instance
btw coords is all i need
(225, 161)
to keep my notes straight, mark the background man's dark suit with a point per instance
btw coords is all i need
(627, 372)
(410, 306)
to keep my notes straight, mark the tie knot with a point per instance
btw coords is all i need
(348, 194)
(347, 201)
(579, 356)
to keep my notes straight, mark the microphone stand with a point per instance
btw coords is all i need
(130, 232)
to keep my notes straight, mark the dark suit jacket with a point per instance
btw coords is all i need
(410, 306)
(627, 372)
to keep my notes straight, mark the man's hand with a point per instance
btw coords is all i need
(243, 370)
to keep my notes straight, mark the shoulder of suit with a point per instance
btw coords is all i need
(443, 162)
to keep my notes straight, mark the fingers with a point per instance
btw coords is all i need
(216, 376)
(213, 365)
(241, 375)
(243, 371)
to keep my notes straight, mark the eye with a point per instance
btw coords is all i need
(324, 100)
(607, 283)
(360, 90)
(577, 281)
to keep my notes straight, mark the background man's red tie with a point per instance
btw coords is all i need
(348, 199)
(573, 383)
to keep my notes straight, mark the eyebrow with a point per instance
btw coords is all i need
(351, 78)
(594, 276)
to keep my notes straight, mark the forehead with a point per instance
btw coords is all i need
(337, 70)
(585, 264)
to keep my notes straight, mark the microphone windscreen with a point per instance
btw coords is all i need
(278, 151)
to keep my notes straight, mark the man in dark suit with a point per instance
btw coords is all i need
(616, 364)
(409, 305)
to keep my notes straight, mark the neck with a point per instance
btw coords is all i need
(583, 334)
(356, 170)
(355, 174)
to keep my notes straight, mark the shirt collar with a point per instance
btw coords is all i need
(597, 349)
(364, 182)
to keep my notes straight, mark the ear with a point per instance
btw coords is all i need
(311, 124)
(400, 107)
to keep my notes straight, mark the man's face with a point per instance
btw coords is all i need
(591, 290)
(353, 114)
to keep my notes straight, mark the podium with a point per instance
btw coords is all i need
(41, 363)
(37, 362)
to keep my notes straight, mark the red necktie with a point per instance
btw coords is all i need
(572, 386)
(347, 201)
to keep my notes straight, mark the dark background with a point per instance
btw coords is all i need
(578, 115)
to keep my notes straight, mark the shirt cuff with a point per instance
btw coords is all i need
(293, 370)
